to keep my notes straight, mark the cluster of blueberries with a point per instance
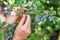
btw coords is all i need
(7, 10)
(11, 29)
(9, 36)
(40, 18)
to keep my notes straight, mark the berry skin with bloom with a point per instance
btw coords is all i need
(7, 10)
(9, 36)
(50, 18)
(4, 23)
(40, 18)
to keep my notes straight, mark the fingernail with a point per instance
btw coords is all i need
(26, 14)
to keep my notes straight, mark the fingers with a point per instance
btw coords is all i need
(28, 21)
(26, 26)
(29, 30)
(2, 17)
(23, 30)
(13, 17)
(22, 20)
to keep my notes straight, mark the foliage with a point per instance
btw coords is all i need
(41, 30)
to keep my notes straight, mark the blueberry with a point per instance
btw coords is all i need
(4, 23)
(9, 36)
(46, 15)
(31, 9)
(6, 8)
(43, 17)
(37, 19)
(50, 18)
(7, 12)
(40, 18)
(12, 27)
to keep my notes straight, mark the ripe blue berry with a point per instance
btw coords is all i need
(4, 23)
(7, 12)
(50, 18)
(11, 27)
(9, 36)
(31, 9)
(37, 19)
(40, 18)
(6, 8)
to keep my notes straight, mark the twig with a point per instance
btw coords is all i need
(4, 28)
(30, 10)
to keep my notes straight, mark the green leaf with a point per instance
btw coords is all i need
(11, 2)
(57, 27)
(59, 12)
(1, 26)
(1, 0)
(49, 28)
(58, 20)
(1, 35)
(6, 3)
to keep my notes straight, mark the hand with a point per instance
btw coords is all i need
(2, 17)
(22, 30)
(11, 18)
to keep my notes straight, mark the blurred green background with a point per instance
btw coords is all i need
(42, 30)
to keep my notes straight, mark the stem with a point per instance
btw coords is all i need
(4, 28)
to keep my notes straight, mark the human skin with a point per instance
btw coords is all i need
(23, 28)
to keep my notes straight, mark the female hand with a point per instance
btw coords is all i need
(23, 28)
(11, 18)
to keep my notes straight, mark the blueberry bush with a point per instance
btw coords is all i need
(45, 19)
